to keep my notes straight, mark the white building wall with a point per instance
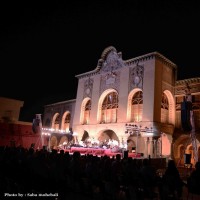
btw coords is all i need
(79, 99)
(123, 95)
(95, 99)
(148, 91)
(114, 74)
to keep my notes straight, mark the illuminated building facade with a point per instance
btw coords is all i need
(134, 102)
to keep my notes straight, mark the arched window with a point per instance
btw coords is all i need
(86, 117)
(137, 107)
(56, 121)
(164, 109)
(67, 122)
(109, 108)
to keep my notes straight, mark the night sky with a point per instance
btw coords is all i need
(44, 44)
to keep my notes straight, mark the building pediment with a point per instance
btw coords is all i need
(111, 61)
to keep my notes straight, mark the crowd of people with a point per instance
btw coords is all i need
(91, 177)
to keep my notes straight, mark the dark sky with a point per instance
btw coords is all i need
(44, 44)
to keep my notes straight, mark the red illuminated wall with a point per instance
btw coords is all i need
(18, 134)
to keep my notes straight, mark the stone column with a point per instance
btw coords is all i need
(151, 146)
(154, 148)
(146, 147)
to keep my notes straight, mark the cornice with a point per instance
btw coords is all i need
(150, 56)
(61, 102)
(181, 85)
(188, 81)
(143, 58)
(88, 74)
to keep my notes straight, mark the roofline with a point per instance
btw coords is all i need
(131, 61)
(61, 102)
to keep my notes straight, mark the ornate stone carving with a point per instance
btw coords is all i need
(113, 62)
(110, 80)
(136, 77)
(88, 85)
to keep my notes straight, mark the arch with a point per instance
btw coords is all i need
(180, 153)
(130, 144)
(65, 123)
(101, 99)
(85, 136)
(171, 109)
(55, 121)
(189, 150)
(180, 148)
(129, 106)
(82, 113)
(53, 142)
(63, 139)
(106, 135)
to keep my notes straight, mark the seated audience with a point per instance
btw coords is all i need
(193, 181)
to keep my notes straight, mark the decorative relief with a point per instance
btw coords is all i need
(110, 80)
(136, 77)
(88, 85)
(181, 90)
(113, 61)
(194, 83)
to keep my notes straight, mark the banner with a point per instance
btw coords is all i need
(186, 107)
(37, 124)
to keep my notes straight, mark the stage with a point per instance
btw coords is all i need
(101, 152)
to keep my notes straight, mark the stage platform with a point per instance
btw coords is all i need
(101, 152)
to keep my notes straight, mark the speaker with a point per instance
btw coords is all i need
(187, 158)
(125, 154)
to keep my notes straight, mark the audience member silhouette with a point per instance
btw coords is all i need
(193, 181)
(148, 178)
(92, 177)
(172, 184)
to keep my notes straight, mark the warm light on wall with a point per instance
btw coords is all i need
(49, 131)
(138, 118)
(133, 129)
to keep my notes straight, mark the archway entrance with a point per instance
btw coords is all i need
(131, 144)
(107, 135)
